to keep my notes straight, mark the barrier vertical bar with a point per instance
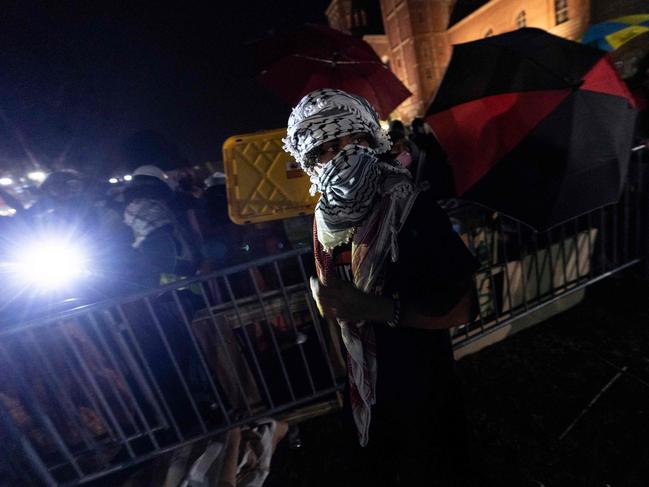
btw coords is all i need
(505, 268)
(68, 406)
(33, 405)
(316, 319)
(26, 445)
(174, 362)
(117, 367)
(269, 325)
(100, 394)
(198, 350)
(292, 321)
(227, 351)
(522, 265)
(249, 344)
(114, 390)
(147, 368)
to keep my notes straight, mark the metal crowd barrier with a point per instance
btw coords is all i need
(523, 271)
(98, 389)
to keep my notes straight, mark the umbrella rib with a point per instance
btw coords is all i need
(329, 61)
(571, 82)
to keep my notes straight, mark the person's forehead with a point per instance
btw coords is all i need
(333, 141)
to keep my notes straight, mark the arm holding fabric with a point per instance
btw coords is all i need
(433, 278)
(339, 299)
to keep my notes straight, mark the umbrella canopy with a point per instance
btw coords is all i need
(320, 57)
(612, 34)
(534, 125)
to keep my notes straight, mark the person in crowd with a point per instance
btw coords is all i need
(396, 277)
(188, 189)
(429, 161)
(70, 197)
(401, 149)
(223, 240)
(165, 245)
(189, 202)
(399, 139)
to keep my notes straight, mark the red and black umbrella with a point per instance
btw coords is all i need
(534, 125)
(315, 57)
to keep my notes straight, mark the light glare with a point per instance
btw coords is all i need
(128, 177)
(38, 176)
(51, 263)
(113, 180)
(6, 181)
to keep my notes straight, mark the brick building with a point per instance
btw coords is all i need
(419, 34)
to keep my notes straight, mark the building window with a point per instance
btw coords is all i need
(425, 52)
(521, 21)
(561, 11)
(360, 18)
(489, 33)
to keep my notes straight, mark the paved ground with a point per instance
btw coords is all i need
(563, 404)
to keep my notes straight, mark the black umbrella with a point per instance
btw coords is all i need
(534, 125)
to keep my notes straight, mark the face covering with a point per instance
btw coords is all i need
(348, 185)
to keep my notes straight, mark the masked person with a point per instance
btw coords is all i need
(163, 242)
(396, 277)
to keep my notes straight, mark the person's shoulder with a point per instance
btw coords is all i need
(428, 209)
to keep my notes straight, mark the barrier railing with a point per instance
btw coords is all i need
(101, 388)
(522, 270)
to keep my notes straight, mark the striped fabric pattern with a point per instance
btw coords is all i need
(328, 114)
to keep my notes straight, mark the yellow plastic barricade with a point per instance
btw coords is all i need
(263, 182)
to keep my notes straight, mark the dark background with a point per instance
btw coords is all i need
(91, 84)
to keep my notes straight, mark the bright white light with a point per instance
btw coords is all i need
(128, 177)
(6, 181)
(113, 180)
(51, 263)
(38, 176)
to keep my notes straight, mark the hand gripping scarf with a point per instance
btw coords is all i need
(368, 202)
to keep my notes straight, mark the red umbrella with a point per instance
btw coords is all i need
(320, 57)
(534, 125)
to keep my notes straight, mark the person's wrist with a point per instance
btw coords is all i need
(395, 319)
(373, 307)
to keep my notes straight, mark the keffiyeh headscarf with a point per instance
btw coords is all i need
(329, 114)
(145, 216)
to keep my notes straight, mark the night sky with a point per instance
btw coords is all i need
(82, 83)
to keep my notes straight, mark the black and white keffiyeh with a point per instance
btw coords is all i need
(144, 216)
(349, 186)
(328, 114)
